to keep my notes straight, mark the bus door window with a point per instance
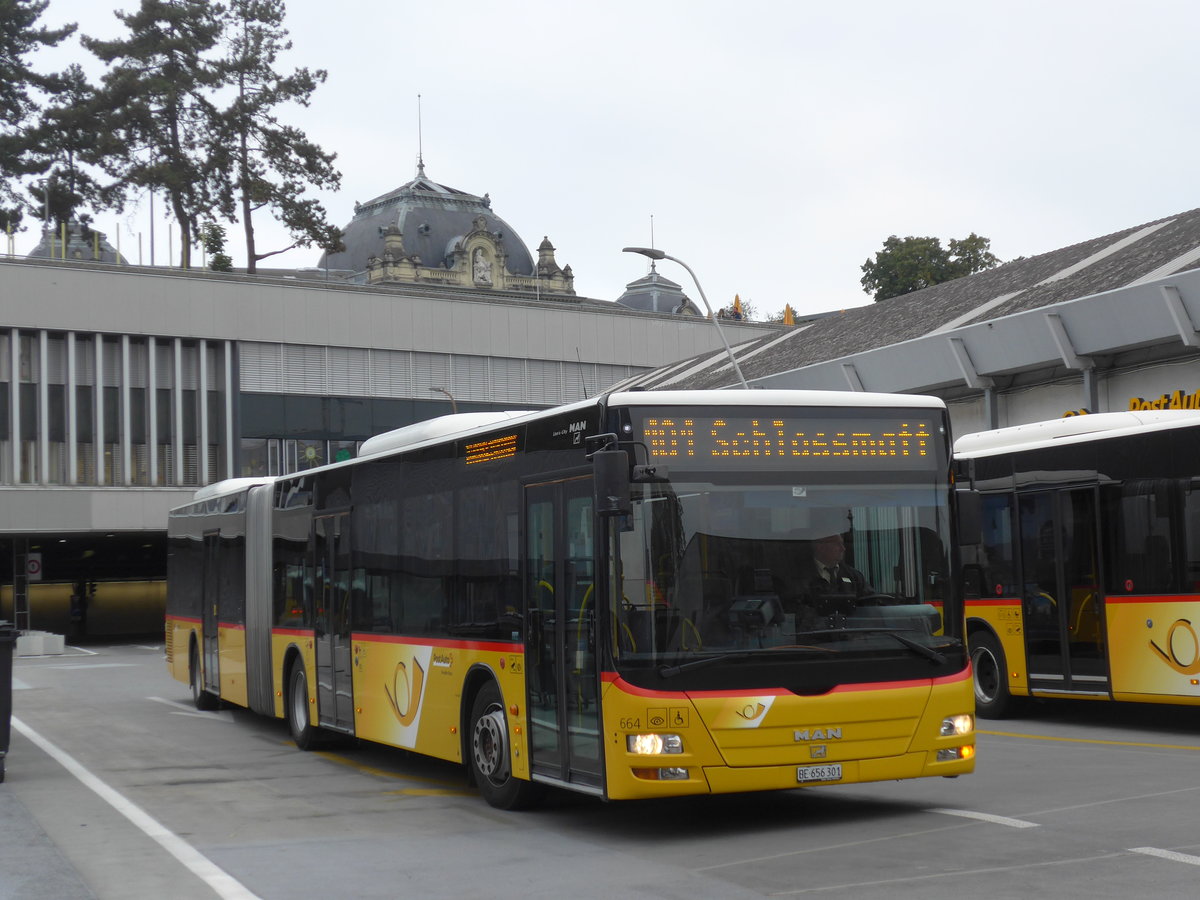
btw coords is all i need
(1062, 598)
(210, 614)
(562, 600)
(333, 650)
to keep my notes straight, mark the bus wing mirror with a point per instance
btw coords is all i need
(610, 471)
(970, 517)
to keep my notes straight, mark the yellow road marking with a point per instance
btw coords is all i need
(1067, 740)
(431, 792)
(375, 770)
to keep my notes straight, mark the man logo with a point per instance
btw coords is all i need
(818, 734)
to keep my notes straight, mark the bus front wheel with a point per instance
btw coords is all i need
(490, 757)
(992, 697)
(304, 733)
(201, 699)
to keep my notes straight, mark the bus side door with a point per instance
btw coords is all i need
(560, 653)
(1063, 599)
(331, 621)
(210, 613)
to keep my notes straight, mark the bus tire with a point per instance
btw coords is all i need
(490, 756)
(992, 697)
(201, 698)
(304, 733)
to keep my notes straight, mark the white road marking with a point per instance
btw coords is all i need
(93, 666)
(1167, 854)
(985, 817)
(224, 884)
(221, 715)
(19, 685)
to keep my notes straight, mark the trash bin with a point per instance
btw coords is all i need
(8, 640)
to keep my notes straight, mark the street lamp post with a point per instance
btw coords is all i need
(453, 403)
(658, 254)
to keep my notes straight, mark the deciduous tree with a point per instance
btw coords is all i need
(909, 264)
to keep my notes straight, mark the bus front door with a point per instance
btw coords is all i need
(1062, 597)
(331, 619)
(560, 636)
(210, 616)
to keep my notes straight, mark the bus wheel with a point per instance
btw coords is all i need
(304, 733)
(200, 697)
(490, 756)
(992, 698)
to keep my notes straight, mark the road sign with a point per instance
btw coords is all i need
(33, 566)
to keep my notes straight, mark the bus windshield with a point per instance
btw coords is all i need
(761, 566)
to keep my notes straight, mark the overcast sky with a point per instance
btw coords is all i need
(775, 144)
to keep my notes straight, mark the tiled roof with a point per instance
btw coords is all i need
(1137, 254)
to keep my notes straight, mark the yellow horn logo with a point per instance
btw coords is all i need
(407, 691)
(1171, 658)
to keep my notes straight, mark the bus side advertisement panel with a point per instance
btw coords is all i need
(409, 693)
(1154, 646)
(231, 639)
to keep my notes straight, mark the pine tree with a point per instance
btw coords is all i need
(63, 140)
(161, 123)
(20, 90)
(270, 164)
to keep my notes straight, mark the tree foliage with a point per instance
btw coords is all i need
(62, 141)
(22, 90)
(212, 238)
(748, 312)
(912, 263)
(161, 121)
(189, 107)
(269, 164)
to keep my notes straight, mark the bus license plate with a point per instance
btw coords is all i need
(831, 772)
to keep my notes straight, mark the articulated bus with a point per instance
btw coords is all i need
(1087, 581)
(606, 597)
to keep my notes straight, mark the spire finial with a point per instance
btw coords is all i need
(420, 142)
(652, 268)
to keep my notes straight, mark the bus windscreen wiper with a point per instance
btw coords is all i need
(672, 671)
(915, 646)
(762, 653)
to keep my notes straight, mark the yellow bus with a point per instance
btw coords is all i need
(608, 597)
(1087, 581)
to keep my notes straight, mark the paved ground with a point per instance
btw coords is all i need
(118, 788)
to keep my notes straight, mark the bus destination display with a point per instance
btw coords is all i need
(766, 441)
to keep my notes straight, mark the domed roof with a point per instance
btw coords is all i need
(432, 218)
(654, 293)
(82, 243)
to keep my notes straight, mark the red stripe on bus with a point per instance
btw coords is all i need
(232, 626)
(989, 601)
(195, 620)
(491, 646)
(1151, 598)
(293, 632)
(620, 683)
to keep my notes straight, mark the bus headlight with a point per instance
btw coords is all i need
(956, 753)
(953, 726)
(653, 744)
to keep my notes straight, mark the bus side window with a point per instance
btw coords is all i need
(1191, 537)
